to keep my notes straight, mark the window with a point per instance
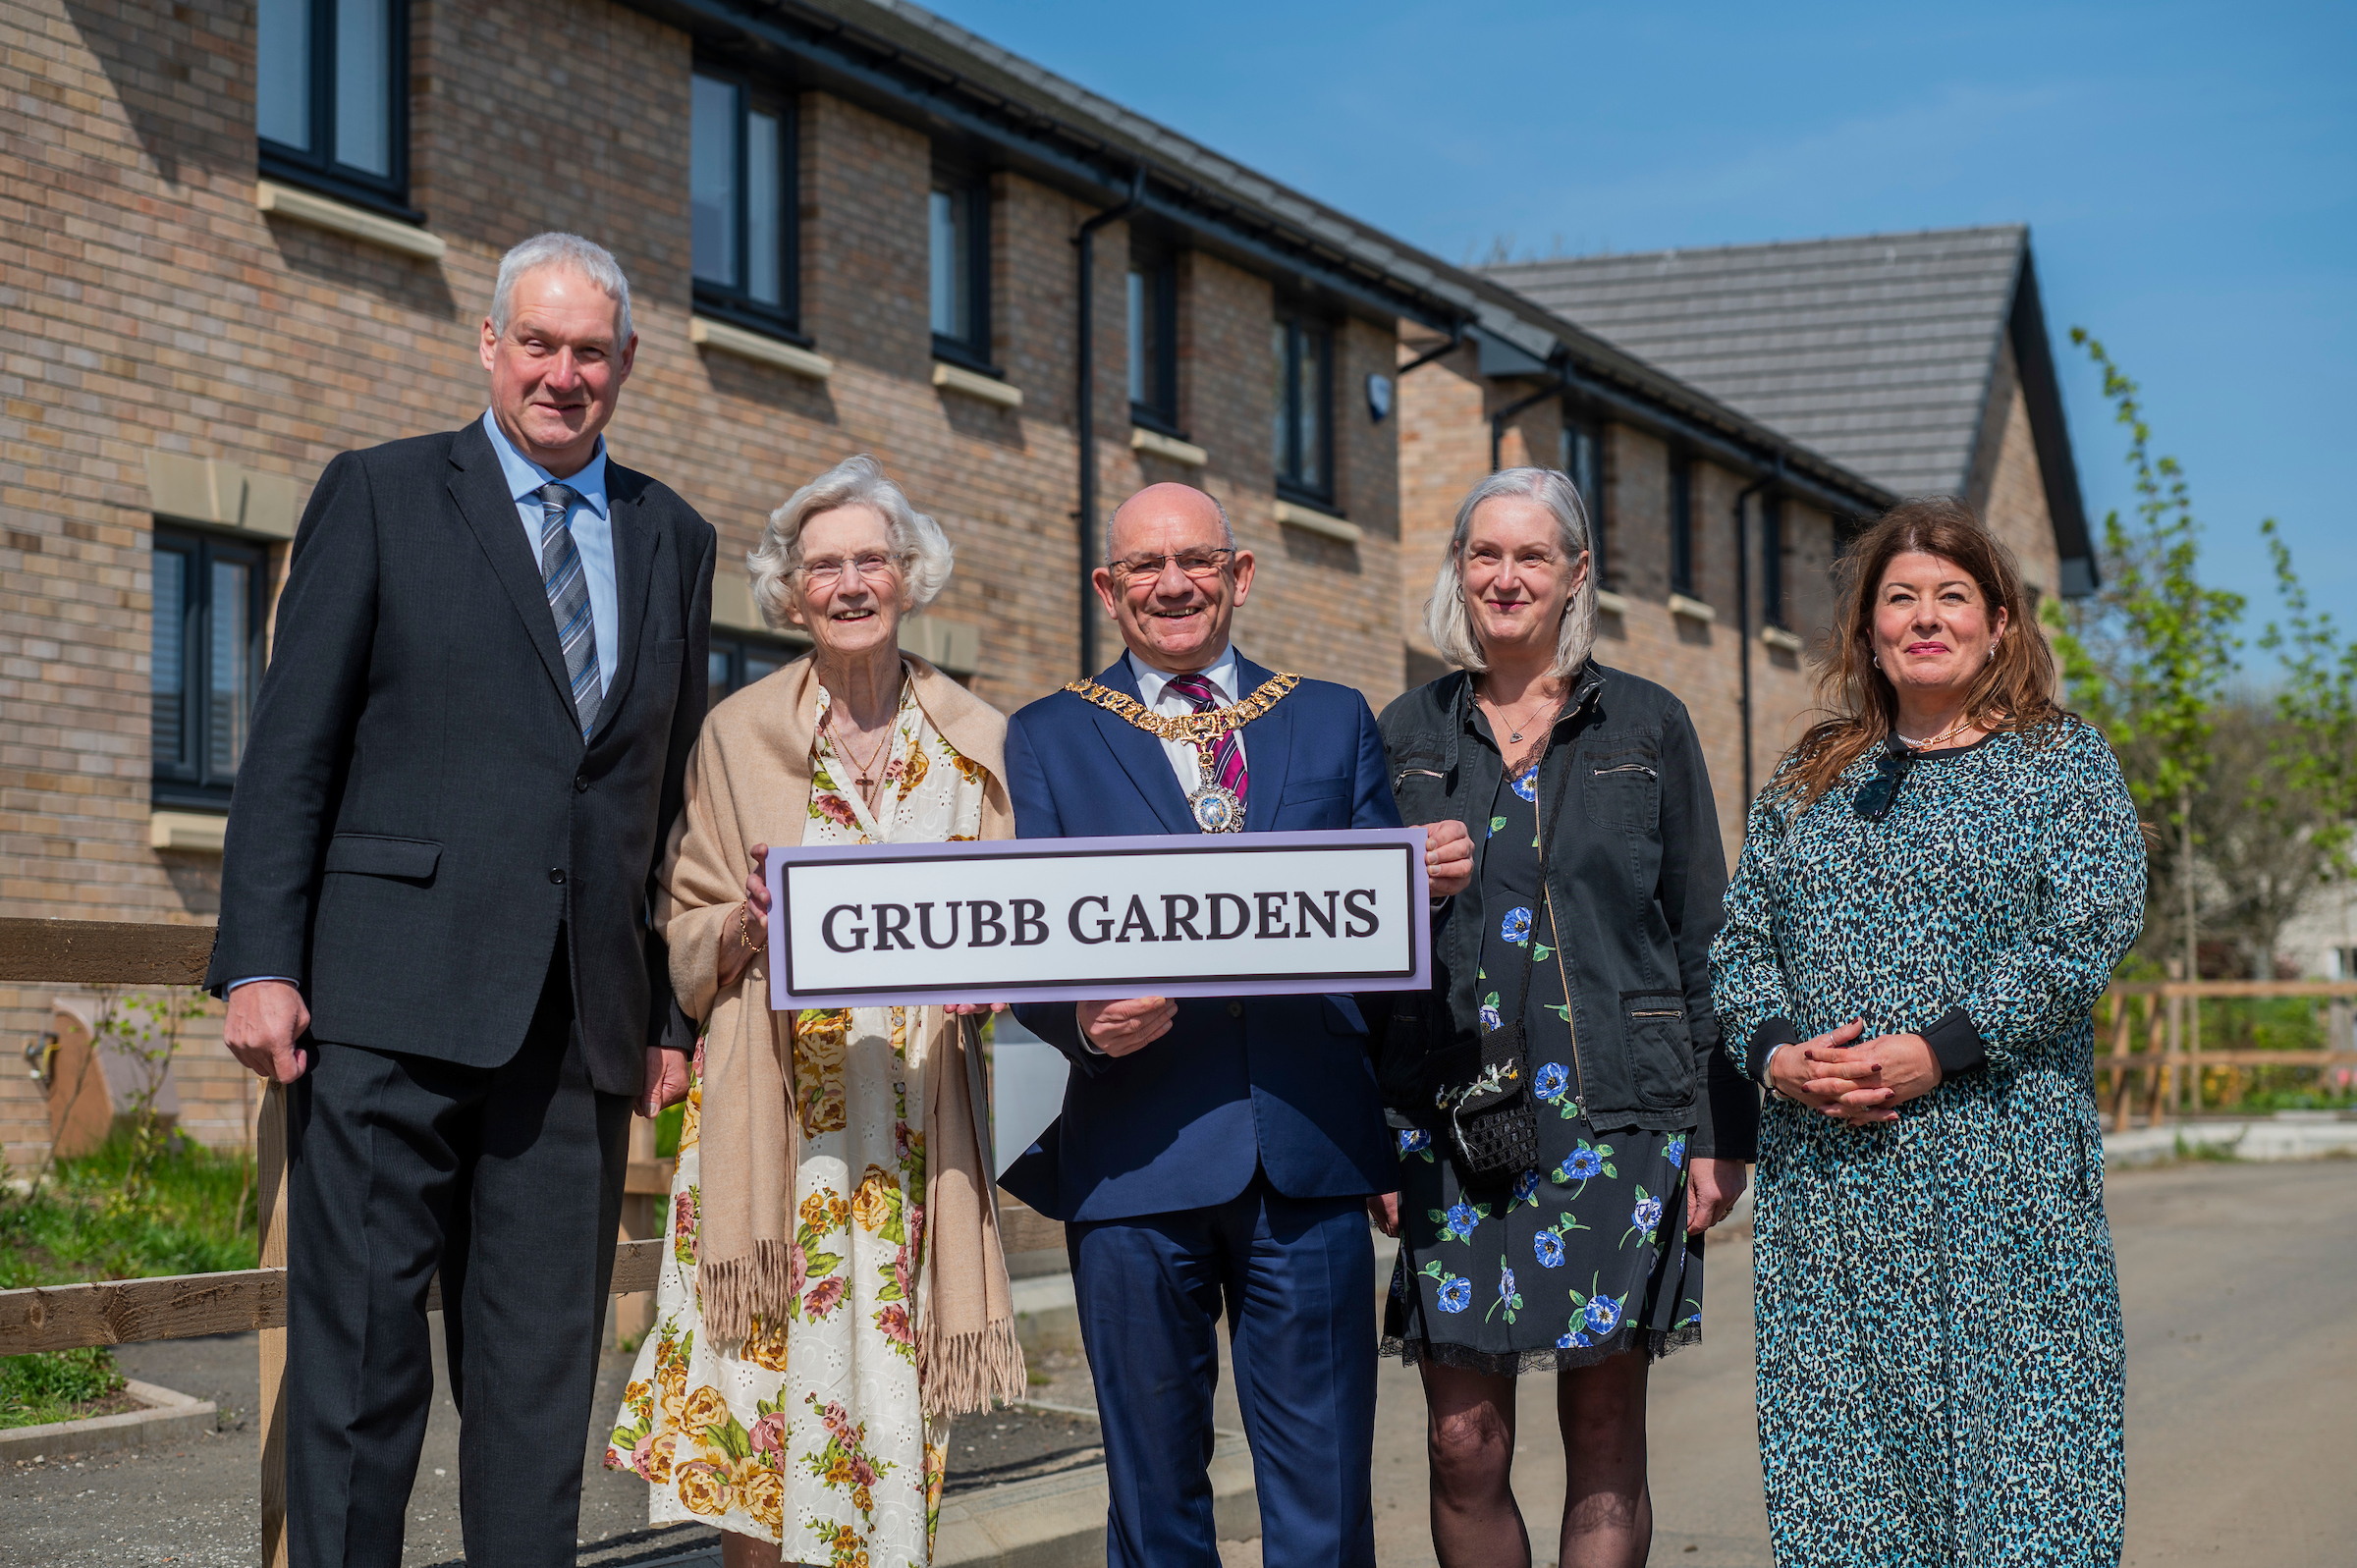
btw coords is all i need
(208, 660)
(741, 167)
(961, 281)
(332, 97)
(1682, 524)
(1583, 460)
(738, 662)
(1304, 363)
(1154, 345)
(1772, 559)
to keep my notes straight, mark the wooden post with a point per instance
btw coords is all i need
(2119, 1060)
(270, 1166)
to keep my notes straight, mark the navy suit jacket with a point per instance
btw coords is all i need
(1280, 1084)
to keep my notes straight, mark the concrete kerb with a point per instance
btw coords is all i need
(170, 1418)
(2289, 1135)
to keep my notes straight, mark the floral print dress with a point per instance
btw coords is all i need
(1585, 1256)
(1939, 1358)
(812, 1433)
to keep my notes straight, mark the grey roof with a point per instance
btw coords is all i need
(1875, 351)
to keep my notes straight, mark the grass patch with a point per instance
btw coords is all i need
(55, 1385)
(189, 1220)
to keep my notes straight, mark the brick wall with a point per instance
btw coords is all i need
(147, 305)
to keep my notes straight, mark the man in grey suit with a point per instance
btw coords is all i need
(467, 755)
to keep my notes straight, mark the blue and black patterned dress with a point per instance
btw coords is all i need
(1939, 1373)
(1586, 1256)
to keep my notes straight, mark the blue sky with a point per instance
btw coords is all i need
(2189, 173)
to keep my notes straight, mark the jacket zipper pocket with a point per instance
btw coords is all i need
(1672, 1013)
(1405, 773)
(1628, 766)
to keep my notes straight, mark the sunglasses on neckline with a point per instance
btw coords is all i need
(1879, 794)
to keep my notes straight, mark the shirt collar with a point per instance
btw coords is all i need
(525, 477)
(1221, 673)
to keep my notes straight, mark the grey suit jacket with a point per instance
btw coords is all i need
(416, 815)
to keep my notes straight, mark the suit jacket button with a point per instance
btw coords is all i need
(555, 874)
(1235, 1009)
(581, 785)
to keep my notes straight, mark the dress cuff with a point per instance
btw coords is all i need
(1955, 1042)
(1775, 1032)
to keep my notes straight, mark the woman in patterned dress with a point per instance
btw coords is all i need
(1933, 891)
(835, 1288)
(1593, 900)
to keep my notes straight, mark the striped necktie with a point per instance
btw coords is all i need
(1228, 758)
(567, 588)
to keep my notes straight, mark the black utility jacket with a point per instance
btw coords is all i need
(1636, 874)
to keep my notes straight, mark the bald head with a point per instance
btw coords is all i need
(1173, 577)
(1159, 505)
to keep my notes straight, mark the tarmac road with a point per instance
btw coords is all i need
(2240, 1283)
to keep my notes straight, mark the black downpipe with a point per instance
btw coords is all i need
(1499, 420)
(1743, 610)
(1086, 412)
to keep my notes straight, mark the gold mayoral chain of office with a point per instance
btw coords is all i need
(1216, 807)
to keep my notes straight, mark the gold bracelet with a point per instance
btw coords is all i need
(744, 927)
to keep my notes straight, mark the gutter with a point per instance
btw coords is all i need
(1085, 410)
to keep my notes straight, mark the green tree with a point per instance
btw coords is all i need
(2149, 659)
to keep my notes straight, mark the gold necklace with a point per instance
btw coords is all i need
(1216, 807)
(1949, 734)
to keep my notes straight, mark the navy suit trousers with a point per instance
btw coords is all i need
(1296, 1279)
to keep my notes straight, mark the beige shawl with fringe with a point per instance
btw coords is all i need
(748, 782)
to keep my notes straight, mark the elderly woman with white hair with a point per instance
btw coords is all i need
(835, 1288)
(1567, 1125)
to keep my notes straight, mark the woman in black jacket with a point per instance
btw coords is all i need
(1567, 1128)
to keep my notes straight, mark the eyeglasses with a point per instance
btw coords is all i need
(1878, 794)
(1199, 564)
(874, 566)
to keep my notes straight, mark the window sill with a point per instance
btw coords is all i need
(1611, 603)
(1159, 445)
(981, 388)
(221, 494)
(341, 217)
(1779, 637)
(707, 333)
(1692, 609)
(198, 831)
(1325, 525)
(942, 644)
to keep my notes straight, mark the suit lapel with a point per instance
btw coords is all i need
(1268, 750)
(480, 490)
(1142, 755)
(637, 543)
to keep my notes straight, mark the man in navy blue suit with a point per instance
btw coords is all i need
(1214, 1155)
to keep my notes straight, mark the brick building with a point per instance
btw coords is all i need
(242, 238)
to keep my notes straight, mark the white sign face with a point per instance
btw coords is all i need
(1076, 919)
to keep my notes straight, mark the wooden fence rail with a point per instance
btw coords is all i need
(95, 953)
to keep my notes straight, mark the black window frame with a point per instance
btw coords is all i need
(972, 189)
(317, 168)
(1301, 327)
(1159, 410)
(1590, 485)
(1682, 524)
(731, 653)
(1771, 561)
(735, 303)
(193, 785)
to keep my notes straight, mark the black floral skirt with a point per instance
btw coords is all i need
(1573, 1263)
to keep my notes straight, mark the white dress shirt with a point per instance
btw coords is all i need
(1153, 689)
(592, 526)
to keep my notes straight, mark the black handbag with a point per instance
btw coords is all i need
(1494, 1121)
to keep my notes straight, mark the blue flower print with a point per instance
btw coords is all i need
(1463, 1219)
(1457, 1221)
(1496, 823)
(1644, 1219)
(1527, 787)
(1582, 1164)
(1489, 1012)
(1602, 1314)
(1574, 1340)
(1675, 1151)
(1549, 1247)
(1508, 1296)
(1415, 1141)
(1553, 1079)
(1526, 1189)
(1516, 926)
(1457, 1293)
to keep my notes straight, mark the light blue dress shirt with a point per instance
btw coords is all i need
(593, 525)
(1153, 689)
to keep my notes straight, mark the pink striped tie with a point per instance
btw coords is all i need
(1228, 759)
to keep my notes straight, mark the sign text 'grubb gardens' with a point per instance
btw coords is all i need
(1072, 919)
